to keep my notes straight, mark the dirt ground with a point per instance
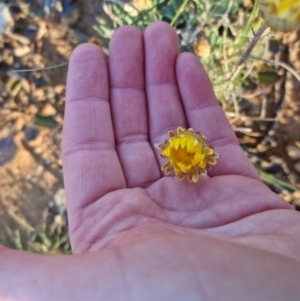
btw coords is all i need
(31, 112)
(32, 108)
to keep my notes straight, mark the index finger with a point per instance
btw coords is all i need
(90, 161)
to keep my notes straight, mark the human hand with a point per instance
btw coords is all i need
(137, 234)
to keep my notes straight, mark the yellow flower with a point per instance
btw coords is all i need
(202, 47)
(187, 153)
(142, 4)
(281, 15)
(134, 7)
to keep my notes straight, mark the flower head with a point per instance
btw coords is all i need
(187, 153)
(281, 15)
(202, 47)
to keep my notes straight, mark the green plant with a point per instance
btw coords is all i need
(49, 238)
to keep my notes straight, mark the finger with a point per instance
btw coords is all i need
(91, 165)
(205, 115)
(164, 103)
(129, 107)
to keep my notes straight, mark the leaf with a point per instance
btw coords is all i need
(268, 77)
(48, 122)
(168, 13)
(14, 85)
(248, 84)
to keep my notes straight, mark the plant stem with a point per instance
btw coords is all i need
(20, 221)
(45, 68)
(246, 54)
(180, 10)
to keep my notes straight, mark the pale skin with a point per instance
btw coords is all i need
(135, 233)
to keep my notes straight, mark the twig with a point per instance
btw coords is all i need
(264, 103)
(232, 114)
(247, 132)
(41, 69)
(247, 53)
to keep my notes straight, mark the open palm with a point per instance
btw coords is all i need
(115, 115)
(137, 234)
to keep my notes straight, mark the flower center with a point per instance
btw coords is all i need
(185, 152)
(182, 155)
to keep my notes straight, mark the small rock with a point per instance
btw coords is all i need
(58, 220)
(21, 51)
(8, 149)
(39, 169)
(42, 30)
(28, 177)
(296, 196)
(32, 109)
(58, 89)
(51, 204)
(48, 110)
(26, 85)
(6, 19)
(293, 151)
(287, 198)
(19, 124)
(59, 197)
(38, 150)
(31, 133)
(297, 167)
(33, 181)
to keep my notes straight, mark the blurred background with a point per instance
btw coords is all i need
(36, 40)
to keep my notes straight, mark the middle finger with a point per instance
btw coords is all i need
(129, 107)
(164, 103)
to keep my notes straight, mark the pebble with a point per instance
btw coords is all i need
(19, 124)
(31, 133)
(293, 151)
(39, 169)
(58, 89)
(8, 149)
(21, 51)
(297, 167)
(32, 109)
(48, 110)
(6, 19)
(37, 150)
(59, 197)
